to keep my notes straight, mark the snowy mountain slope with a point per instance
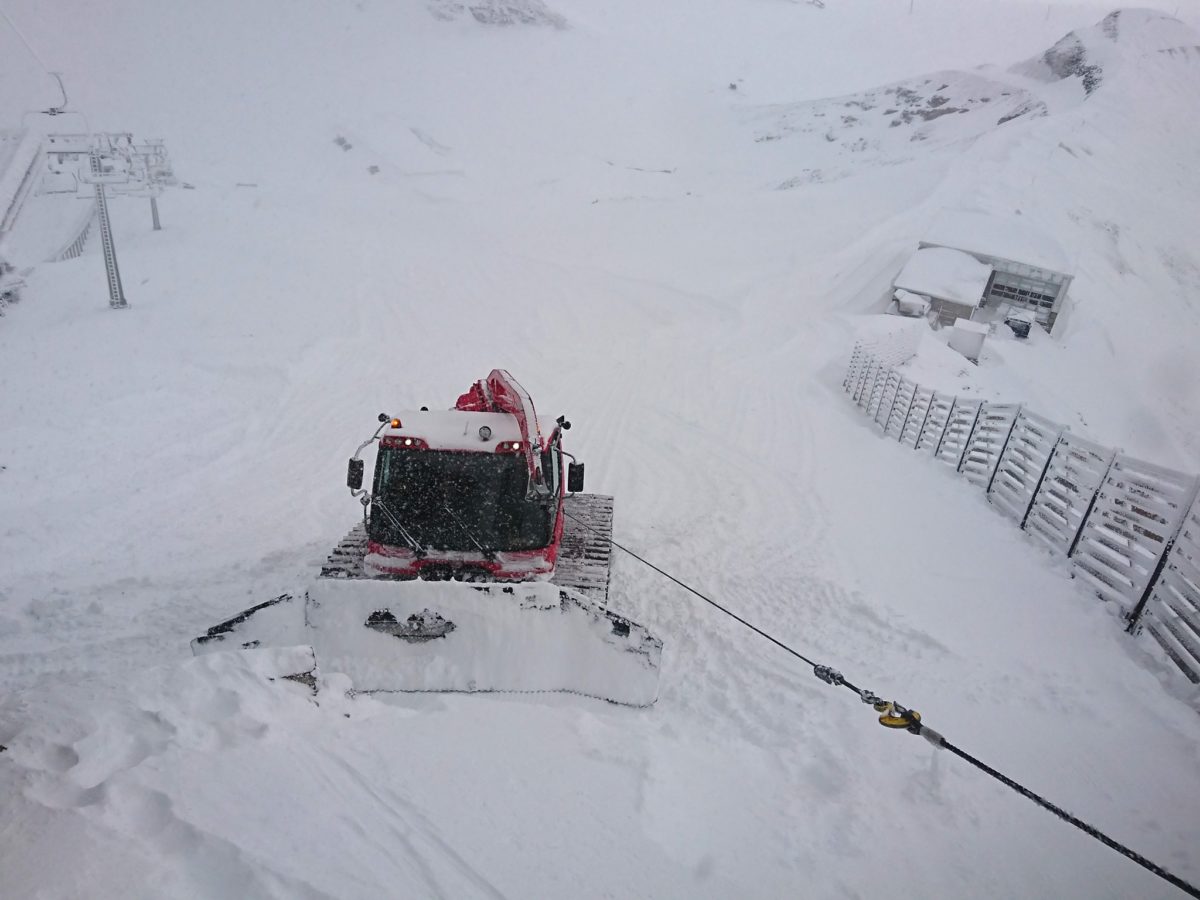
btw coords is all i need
(1120, 41)
(587, 207)
(498, 12)
(1124, 368)
(1071, 156)
(895, 124)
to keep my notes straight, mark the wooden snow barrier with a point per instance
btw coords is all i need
(959, 426)
(1136, 514)
(988, 441)
(1069, 485)
(936, 420)
(1172, 615)
(887, 398)
(897, 418)
(918, 415)
(1131, 529)
(1023, 463)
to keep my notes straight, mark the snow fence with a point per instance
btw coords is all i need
(1131, 529)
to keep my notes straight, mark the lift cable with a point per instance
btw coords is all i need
(893, 715)
(28, 46)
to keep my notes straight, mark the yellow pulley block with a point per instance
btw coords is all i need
(894, 716)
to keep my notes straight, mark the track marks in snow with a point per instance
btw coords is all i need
(732, 681)
(439, 148)
(764, 553)
(445, 871)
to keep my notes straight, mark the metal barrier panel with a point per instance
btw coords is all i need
(887, 398)
(914, 423)
(905, 395)
(1023, 463)
(958, 432)
(1137, 512)
(988, 441)
(1077, 466)
(1173, 613)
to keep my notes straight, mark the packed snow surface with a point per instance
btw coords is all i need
(667, 223)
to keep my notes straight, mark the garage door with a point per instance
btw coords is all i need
(1031, 293)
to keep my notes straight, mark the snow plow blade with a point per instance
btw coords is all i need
(418, 636)
(276, 623)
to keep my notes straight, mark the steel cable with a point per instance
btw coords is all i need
(912, 723)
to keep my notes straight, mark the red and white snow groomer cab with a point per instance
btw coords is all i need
(474, 493)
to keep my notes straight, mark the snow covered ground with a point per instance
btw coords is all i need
(389, 200)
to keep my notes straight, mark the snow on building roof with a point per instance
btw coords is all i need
(454, 429)
(1004, 236)
(945, 274)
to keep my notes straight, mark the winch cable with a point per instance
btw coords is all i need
(893, 715)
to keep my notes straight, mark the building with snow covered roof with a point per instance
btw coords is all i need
(1029, 269)
(953, 281)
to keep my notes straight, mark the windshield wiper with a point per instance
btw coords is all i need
(412, 542)
(489, 555)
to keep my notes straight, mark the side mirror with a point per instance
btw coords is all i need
(575, 477)
(354, 474)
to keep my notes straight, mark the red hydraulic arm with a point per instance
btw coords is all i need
(500, 392)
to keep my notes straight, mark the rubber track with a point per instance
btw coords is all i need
(584, 556)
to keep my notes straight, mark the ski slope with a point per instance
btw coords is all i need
(390, 200)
